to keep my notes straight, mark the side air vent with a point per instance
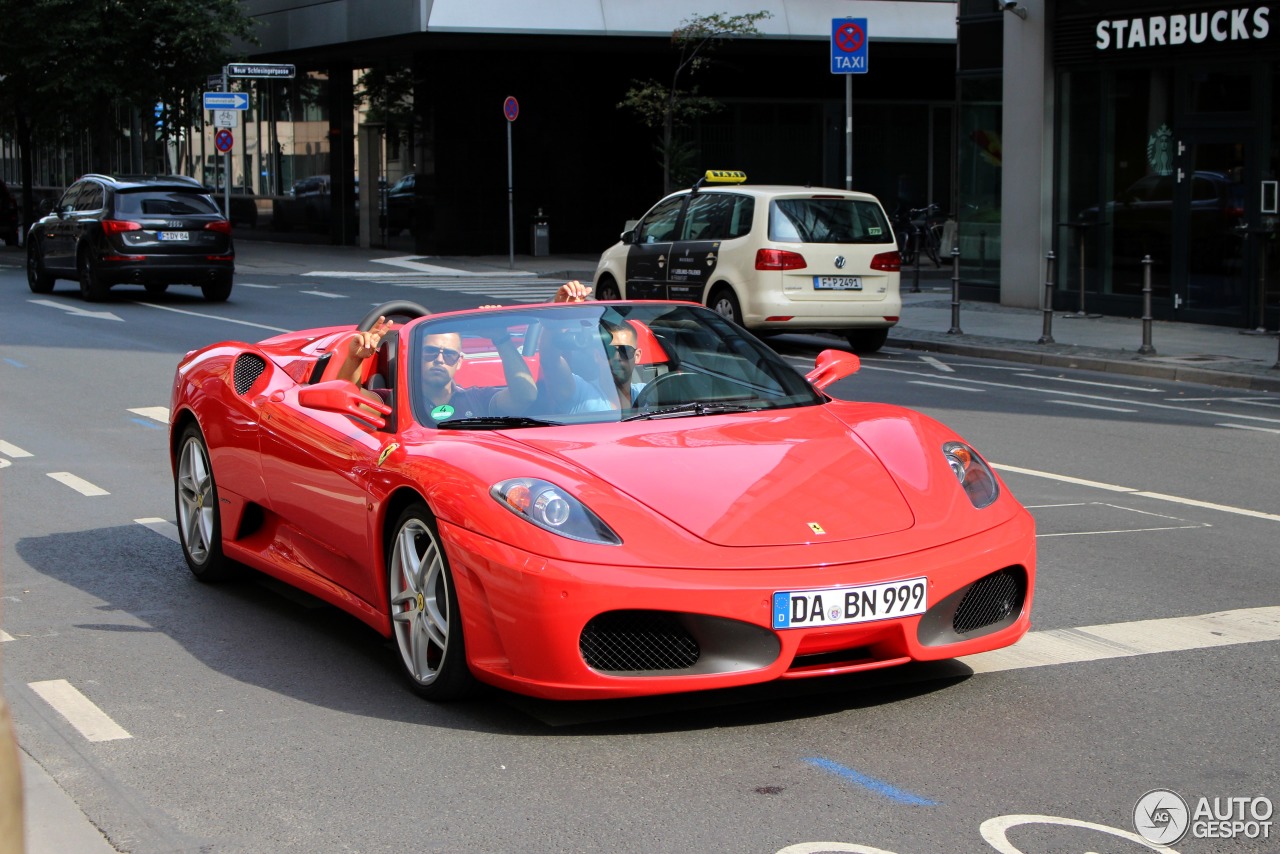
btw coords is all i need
(248, 367)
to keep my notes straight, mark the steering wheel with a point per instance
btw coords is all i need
(677, 384)
(395, 308)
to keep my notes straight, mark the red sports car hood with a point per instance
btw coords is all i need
(751, 480)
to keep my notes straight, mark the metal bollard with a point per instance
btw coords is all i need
(1146, 349)
(1046, 336)
(955, 292)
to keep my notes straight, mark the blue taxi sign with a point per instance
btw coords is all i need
(849, 45)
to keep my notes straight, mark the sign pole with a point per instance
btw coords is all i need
(848, 131)
(226, 165)
(511, 210)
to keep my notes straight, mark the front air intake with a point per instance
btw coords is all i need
(990, 600)
(637, 641)
(248, 367)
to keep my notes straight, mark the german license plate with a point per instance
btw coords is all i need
(174, 235)
(837, 283)
(838, 606)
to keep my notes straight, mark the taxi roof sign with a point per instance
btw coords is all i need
(724, 176)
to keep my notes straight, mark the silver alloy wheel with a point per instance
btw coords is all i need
(196, 504)
(725, 304)
(419, 601)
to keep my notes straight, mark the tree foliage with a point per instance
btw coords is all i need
(75, 65)
(668, 106)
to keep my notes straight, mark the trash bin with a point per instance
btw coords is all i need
(540, 235)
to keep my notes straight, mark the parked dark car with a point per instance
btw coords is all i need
(154, 231)
(8, 216)
(402, 201)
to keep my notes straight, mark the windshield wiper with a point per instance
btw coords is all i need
(697, 407)
(494, 422)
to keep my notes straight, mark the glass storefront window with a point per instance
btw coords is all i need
(979, 161)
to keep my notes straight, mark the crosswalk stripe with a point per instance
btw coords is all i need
(12, 450)
(79, 484)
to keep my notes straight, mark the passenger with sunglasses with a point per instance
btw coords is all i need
(565, 390)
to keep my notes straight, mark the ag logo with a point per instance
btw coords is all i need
(1161, 816)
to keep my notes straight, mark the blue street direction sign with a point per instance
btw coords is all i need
(226, 100)
(849, 45)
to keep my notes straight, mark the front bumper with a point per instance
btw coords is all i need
(532, 624)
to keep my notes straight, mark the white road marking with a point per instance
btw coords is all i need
(4, 464)
(937, 364)
(155, 413)
(80, 485)
(324, 294)
(1249, 427)
(410, 262)
(163, 527)
(12, 450)
(947, 386)
(251, 285)
(1141, 637)
(75, 311)
(93, 723)
(1120, 531)
(1090, 405)
(1159, 496)
(1058, 391)
(1088, 382)
(5, 637)
(1250, 401)
(214, 317)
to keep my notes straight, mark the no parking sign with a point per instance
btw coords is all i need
(849, 46)
(223, 140)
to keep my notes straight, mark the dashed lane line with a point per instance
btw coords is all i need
(12, 450)
(947, 386)
(937, 363)
(1087, 382)
(1090, 406)
(79, 484)
(324, 294)
(1249, 427)
(155, 413)
(81, 712)
(5, 637)
(214, 317)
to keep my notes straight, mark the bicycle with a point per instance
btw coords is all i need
(919, 230)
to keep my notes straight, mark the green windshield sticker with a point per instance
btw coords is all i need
(442, 412)
(873, 230)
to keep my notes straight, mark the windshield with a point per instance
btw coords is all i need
(828, 219)
(592, 363)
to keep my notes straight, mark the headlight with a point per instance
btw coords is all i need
(551, 508)
(977, 479)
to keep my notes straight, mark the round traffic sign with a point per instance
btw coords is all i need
(223, 140)
(849, 37)
(511, 108)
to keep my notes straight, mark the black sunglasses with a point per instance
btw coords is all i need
(625, 351)
(430, 354)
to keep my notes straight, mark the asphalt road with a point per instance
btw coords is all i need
(249, 718)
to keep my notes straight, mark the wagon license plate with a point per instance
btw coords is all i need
(837, 283)
(174, 235)
(837, 606)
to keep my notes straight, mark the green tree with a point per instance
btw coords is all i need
(76, 65)
(667, 106)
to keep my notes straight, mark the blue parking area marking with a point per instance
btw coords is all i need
(877, 786)
(150, 425)
(15, 363)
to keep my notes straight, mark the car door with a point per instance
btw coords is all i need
(650, 253)
(316, 465)
(694, 255)
(57, 235)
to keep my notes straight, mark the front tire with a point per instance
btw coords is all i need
(38, 279)
(199, 519)
(425, 619)
(92, 288)
(608, 289)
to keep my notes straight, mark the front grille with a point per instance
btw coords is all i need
(989, 600)
(247, 369)
(631, 641)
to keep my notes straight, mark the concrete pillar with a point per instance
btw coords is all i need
(1026, 196)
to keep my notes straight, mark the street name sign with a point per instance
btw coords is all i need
(849, 45)
(238, 69)
(226, 100)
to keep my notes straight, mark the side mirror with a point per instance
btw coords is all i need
(628, 237)
(831, 367)
(345, 398)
